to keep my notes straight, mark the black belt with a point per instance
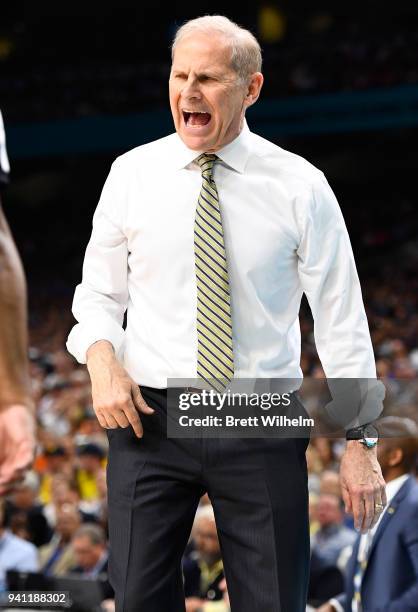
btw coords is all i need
(192, 389)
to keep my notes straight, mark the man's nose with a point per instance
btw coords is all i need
(191, 89)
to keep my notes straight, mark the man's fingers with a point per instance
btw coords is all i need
(111, 422)
(113, 416)
(139, 401)
(369, 505)
(123, 411)
(105, 417)
(347, 500)
(18, 461)
(101, 419)
(378, 509)
(8, 487)
(133, 418)
(10, 479)
(358, 509)
(380, 502)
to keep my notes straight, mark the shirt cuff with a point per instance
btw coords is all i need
(355, 401)
(336, 604)
(83, 335)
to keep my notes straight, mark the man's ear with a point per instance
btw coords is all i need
(395, 457)
(253, 88)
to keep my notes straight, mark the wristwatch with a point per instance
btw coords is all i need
(365, 434)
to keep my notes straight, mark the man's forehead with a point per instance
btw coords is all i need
(201, 54)
(200, 67)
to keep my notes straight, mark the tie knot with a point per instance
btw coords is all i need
(206, 162)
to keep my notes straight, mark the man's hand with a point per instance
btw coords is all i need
(17, 445)
(116, 397)
(363, 486)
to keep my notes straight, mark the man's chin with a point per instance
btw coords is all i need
(196, 142)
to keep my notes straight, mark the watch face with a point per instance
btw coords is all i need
(370, 442)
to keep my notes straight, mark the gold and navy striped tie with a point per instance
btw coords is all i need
(215, 361)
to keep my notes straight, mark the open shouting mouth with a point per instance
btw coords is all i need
(196, 119)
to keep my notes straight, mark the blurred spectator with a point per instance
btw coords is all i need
(325, 453)
(15, 553)
(382, 572)
(332, 536)
(314, 465)
(203, 568)
(91, 554)
(325, 580)
(63, 492)
(330, 483)
(219, 606)
(313, 513)
(24, 516)
(90, 465)
(56, 462)
(57, 557)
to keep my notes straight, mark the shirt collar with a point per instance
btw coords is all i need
(393, 486)
(235, 154)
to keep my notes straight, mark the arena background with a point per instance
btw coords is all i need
(82, 83)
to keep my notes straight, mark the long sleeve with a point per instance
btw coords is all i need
(100, 300)
(328, 275)
(329, 278)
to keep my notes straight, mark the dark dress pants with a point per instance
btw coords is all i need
(258, 489)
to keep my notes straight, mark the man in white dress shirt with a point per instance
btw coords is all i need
(171, 214)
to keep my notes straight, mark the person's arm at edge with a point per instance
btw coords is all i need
(14, 369)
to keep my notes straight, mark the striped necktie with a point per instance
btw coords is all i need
(215, 361)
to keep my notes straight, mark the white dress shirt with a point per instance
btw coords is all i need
(284, 235)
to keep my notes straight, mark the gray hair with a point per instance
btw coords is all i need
(95, 533)
(245, 49)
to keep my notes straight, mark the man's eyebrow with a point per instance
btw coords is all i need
(209, 73)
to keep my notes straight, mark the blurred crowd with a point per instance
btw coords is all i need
(306, 53)
(55, 522)
(57, 518)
